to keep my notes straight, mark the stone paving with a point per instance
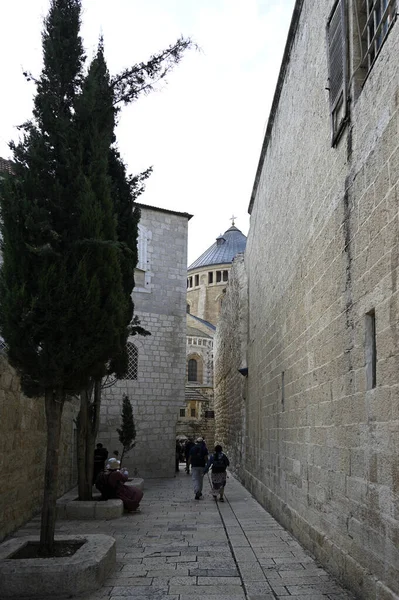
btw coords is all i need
(178, 548)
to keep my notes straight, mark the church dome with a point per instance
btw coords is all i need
(226, 247)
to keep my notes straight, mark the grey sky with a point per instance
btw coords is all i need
(203, 131)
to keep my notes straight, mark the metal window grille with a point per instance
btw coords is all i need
(3, 346)
(380, 16)
(337, 67)
(192, 369)
(133, 361)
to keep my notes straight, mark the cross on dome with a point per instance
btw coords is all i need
(232, 219)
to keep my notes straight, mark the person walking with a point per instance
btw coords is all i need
(218, 462)
(187, 448)
(197, 459)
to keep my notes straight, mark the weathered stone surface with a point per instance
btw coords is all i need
(307, 431)
(157, 393)
(51, 577)
(23, 451)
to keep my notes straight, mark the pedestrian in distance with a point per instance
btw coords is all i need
(197, 459)
(218, 463)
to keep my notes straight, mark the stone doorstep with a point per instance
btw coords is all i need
(70, 508)
(85, 571)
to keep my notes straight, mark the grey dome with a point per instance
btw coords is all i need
(226, 247)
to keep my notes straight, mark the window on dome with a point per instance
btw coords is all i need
(225, 275)
(197, 280)
(210, 277)
(218, 276)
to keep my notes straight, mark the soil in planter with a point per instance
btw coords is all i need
(62, 548)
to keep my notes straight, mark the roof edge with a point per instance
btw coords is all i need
(276, 99)
(164, 210)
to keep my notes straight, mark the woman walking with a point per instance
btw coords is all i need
(218, 462)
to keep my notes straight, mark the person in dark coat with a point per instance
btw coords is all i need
(187, 448)
(100, 456)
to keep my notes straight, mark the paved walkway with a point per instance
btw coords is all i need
(178, 548)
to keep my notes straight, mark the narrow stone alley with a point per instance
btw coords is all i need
(178, 548)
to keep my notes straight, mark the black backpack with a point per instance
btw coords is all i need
(107, 491)
(219, 464)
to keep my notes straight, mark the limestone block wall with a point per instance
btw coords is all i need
(23, 451)
(321, 443)
(158, 392)
(230, 355)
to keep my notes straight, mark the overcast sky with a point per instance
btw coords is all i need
(203, 131)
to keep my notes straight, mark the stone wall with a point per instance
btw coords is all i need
(158, 392)
(230, 356)
(23, 451)
(321, 443)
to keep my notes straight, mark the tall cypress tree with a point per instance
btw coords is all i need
(68, 247)
(61, 294)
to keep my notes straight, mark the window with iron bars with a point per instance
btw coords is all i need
(377, 17)
(133, 357)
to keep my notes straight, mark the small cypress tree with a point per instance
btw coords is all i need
(127, 432)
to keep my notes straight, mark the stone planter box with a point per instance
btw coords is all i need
(85, 571)
(70, 508)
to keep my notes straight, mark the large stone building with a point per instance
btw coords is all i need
(157, 364)
(206, 285)
(313, 425)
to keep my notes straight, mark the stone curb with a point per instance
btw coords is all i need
(70, 508)
(85, 571)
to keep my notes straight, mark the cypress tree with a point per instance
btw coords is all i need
(127, 432)
(68, 247)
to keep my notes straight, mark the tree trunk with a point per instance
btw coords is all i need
(87, 429)
(54, 403)
(83, 426)
(93, 425)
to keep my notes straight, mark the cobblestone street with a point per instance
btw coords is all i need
(178, 548)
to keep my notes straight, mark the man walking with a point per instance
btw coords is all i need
(198, 458)
(187, 448)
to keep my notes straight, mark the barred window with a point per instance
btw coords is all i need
(133, 356)
(337, 68)
(182, 412)
(379, 16)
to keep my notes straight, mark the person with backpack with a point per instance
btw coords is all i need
(187, 448)
(111, 484)
(197, 459)
(218, 462)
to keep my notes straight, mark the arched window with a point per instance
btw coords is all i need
(188, 308)
(192, 369)
(133, 359)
